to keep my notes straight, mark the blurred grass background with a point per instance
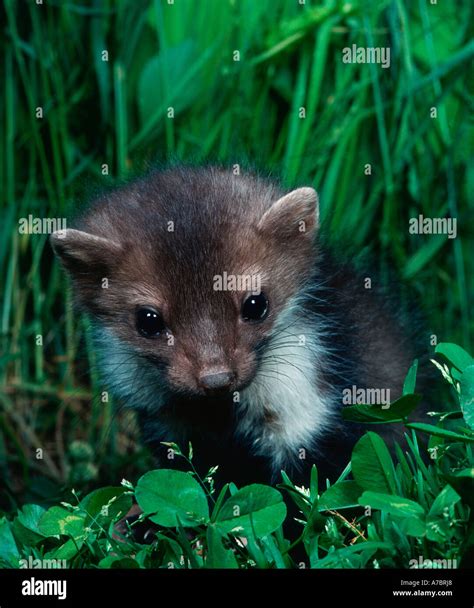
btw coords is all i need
(115, 112)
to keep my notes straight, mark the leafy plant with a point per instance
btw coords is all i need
(413, 511)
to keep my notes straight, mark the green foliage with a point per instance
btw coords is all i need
(114, 110)
(172, 498)
(254, 510)
(372, 465)
(406, 513)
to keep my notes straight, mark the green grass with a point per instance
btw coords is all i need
(115, 112)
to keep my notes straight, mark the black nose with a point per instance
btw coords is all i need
(216, 381)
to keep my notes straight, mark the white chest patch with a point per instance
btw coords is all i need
(282, 410)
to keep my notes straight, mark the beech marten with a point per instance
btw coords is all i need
(222, 320)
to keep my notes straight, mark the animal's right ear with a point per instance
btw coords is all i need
(82, 253)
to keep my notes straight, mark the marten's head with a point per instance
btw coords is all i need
(186, 273)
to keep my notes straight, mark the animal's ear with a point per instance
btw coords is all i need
(296, 213)
(82, 253)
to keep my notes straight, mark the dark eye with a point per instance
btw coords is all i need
(149, 323)
(255, 308)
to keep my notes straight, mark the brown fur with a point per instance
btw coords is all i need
(146, 264)
(239, 225)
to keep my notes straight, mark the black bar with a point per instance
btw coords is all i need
(308, 588)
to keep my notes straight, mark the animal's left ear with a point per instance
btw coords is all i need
(295, 214)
